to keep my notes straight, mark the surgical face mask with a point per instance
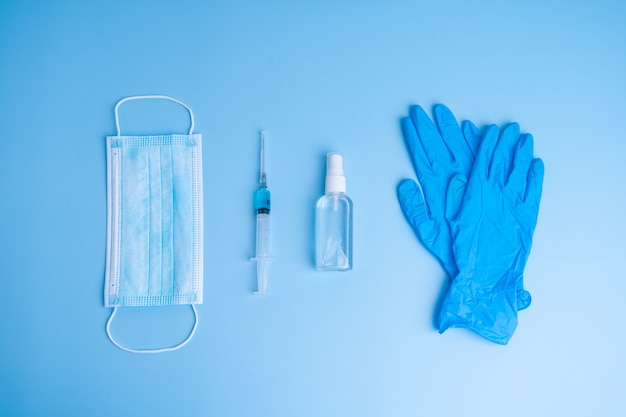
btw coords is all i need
(154, 225)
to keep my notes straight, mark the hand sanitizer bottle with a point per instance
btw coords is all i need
(333, 220)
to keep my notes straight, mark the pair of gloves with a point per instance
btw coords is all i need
(476, 212)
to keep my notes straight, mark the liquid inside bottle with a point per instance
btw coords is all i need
(334, 232)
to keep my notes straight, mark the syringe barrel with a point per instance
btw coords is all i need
(262, 235)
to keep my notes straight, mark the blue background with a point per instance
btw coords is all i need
(318, 76)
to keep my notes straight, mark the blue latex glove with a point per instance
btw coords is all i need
(438, 153)
(493, 216)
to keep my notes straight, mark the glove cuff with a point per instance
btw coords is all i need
(492, 313)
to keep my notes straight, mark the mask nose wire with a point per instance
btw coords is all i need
(160, 350)
(152, 96)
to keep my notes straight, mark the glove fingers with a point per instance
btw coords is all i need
(412, 203)
(522, 158)
(432, 143)
(526, 179)
(421, 163)
(453, 138)
(485, 153)
(535, 185)
(454, 197)
(504, 153)
(472, 136)
(428, 229)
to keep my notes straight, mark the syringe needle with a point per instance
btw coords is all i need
(263, 176)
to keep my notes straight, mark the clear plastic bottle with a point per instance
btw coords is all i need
(333, 220)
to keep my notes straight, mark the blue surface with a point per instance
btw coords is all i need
(319, 77)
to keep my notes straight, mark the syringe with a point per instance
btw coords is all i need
(262, 207)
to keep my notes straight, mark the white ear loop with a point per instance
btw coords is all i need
(156, 96)
(160, 350)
